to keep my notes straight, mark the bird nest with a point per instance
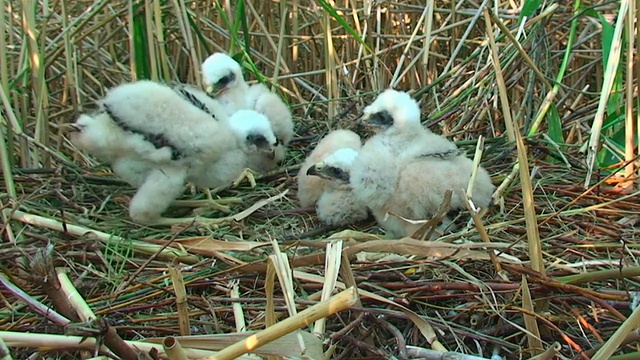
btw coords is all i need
(550, 271)
(458, 293)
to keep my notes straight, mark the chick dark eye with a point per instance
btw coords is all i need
(383, 118)
(336, 172)
(225, 80)
(258, 140)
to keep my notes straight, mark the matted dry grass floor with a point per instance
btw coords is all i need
(64, 213)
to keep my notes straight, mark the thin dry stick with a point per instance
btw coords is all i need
(337, 303)
(535, 248)
(181, 300)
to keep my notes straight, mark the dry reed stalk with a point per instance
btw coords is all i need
(173, 349)
(5, 353)
(617, 338)
(331, 271)
(549, 354)
(67, 343)
(533, 336)
(533, 237)
(336, 303)
(36, 220)
(238, 314)
(181, 300)
(111, 338)
(33, 303)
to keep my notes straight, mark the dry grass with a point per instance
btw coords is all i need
(567, 254)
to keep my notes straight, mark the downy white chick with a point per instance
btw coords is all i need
(255, 139)
(149, 123)
(262, 100)
(250, 133)
(310, 188)
(405, 171)
(201, 100)
(223, 79)
(338, 204)
(397, 115)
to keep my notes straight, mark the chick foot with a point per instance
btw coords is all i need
(209, 203)
(246, 174)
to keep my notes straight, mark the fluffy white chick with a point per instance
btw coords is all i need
(396, 116)
(223, 79)
(201, 100)
(255, 138)
(405, 170)
(310, 188)
(262, 100)
(149, 123)
(338, 204)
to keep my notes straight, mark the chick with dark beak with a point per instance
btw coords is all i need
(328, 172)
(219, 88)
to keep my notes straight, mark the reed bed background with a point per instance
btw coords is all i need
(552, 272)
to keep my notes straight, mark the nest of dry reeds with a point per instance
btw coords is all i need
(551, 272)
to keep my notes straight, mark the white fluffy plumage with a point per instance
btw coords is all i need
(338, 205)
(155, 139)
(262, 100)
(406, 172)
(255, 138)
(397, 115)
(223, 79)
(310, 188)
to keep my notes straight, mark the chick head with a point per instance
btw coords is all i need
(335, 166)
(254, 131)
(392, 108)
(77, 129)
(220, 73)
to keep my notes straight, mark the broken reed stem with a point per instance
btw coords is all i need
(68, 343)
(550, 353)
(331, 271)
(181, 300)
(79, 231)
(238, 313)
(34, 304)
(283, 270)
(5, 354)
(533, 335)
(337, 303)
(173, 349)
(111, 338)
(73, 296)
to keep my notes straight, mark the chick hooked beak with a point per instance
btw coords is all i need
(316, 170)
(216, 91)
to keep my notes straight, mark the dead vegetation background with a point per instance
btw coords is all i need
(563, 278)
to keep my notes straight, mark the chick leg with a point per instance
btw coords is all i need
(210, 202)
(246, 174)
(160, 188)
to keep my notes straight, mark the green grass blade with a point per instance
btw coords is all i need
(343, 23)
(529, 8)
